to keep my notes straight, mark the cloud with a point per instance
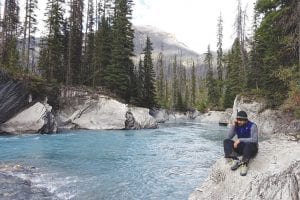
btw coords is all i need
(194, 22)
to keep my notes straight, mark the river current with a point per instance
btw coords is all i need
(166, 163)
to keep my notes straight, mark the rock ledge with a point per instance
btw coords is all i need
(273, 174)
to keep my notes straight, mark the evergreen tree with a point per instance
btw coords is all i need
(174, 84)
(234, 79)
(29, 30)
(103, 50)
(52, 47)
(120, 73)
(275, 47)
(220, 57)
(193, 86)
(211, 83)
(166, 95)
(89, 47)
(220, 50)
(141, 82)
(75, 42)
(10, 55)
(240, 25)
(186, 89)
(160, 78)
(149, 76)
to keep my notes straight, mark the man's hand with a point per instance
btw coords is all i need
(236, 144)
(234, 122)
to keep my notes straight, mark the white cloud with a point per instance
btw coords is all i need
(194, 22)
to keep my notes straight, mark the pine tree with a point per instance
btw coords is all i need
(120, 73)
(186, 89)
(220, 57)
(240, 25)
(160, 78)
(149, 75)
(193, 86)
(51, 60)
(167, 95)
(210, 80)
(89, 47)
(141, 82)
(274, 49)
(29, 30)
(220, 50)
(174, 84)
(10, 54)
(75, 42)
(234, 81)
(103, 50)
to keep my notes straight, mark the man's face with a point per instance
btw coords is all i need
(241, 122)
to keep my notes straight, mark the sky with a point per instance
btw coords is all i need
(193, 22)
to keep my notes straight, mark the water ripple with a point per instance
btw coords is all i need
(166, 163)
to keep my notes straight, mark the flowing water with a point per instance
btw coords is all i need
(166, 163)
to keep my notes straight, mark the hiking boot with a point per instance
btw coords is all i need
(244, 170)
(235, 164)
(228, 161)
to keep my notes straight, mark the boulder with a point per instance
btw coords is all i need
(226, 117)
(211, 117)
(34, 119)
(272, 175)
(130, 123)
(268, 121)
(143, 118)
(160, 115)
(84, 110)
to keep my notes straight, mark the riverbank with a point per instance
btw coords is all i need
(273, 174)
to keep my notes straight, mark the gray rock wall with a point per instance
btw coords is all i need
(13, 97)
(268, 121)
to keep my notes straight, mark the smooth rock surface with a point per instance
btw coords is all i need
(160, 115)
(211, 117)
(268, 121)
(273, 174)
(82, 110)
(143, 118)
(31, 120)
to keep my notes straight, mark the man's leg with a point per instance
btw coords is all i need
(239, 150)
(228, 148)
(249, 151)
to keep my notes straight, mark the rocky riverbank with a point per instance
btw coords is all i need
(75, 108)
(273, 174)
(15, 184)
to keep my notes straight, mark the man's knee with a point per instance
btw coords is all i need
(250, 145)
(227, 141)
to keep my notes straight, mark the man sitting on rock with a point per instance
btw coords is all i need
(246, 144)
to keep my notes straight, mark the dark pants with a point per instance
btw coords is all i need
(247, 150)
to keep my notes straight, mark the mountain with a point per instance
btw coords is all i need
(168, 44)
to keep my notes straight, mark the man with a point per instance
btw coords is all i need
(246, 144)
